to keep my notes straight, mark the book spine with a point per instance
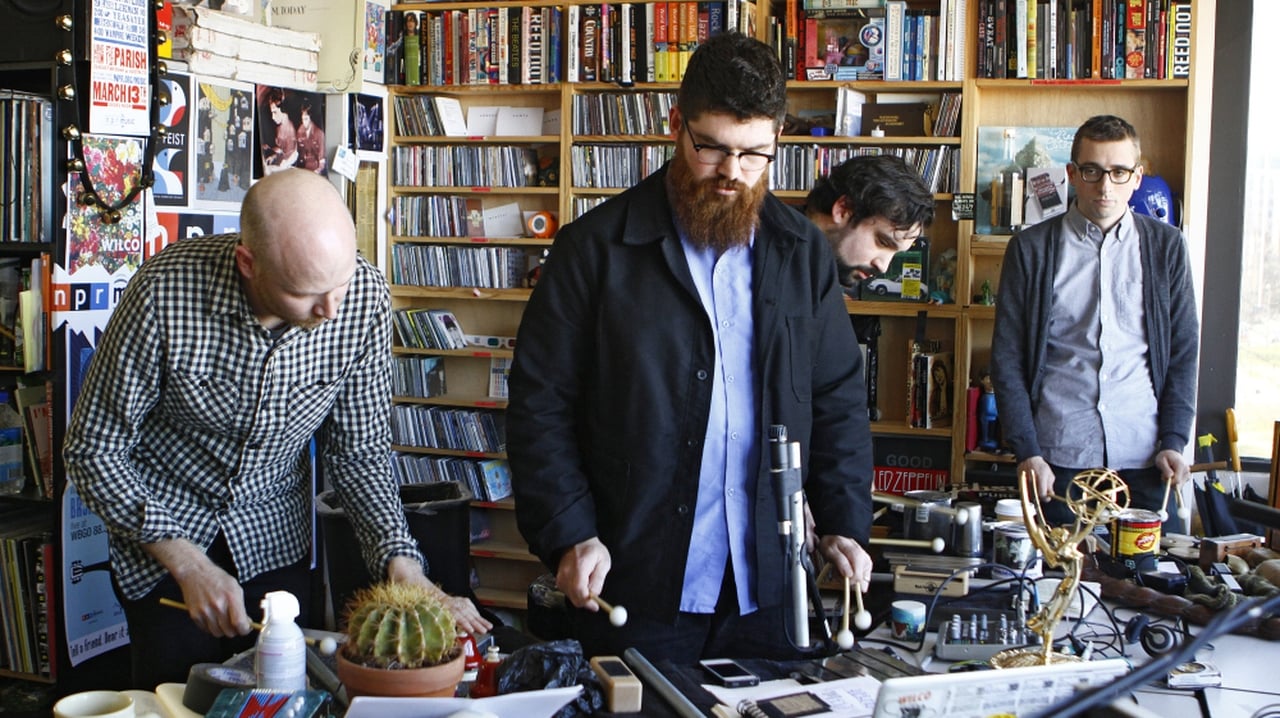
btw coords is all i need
(1033, 39)
(573, 44)
(1180, 45)
(689, 33)
(1135, 40)
(660, 21)
(646, 42)
(1151, 42)
(552, 49)
(626, 45)
(497, 22)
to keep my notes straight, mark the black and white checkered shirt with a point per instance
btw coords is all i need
(193, 420)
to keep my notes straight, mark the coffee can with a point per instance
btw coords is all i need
(1135, 538)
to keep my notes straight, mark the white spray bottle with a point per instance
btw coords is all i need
(281, 657)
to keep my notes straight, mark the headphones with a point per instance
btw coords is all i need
(1157, 639)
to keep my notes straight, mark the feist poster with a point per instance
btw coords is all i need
(172, 166)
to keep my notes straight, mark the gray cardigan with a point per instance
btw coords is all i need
(1022, 315)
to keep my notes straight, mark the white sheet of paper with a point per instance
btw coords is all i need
(848, 697)
(504, 221)
(519, 122)
(527, 704)
(482, 120)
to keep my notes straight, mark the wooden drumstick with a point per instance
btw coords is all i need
(617, 614)
(1164, 512)
(844, 638)
(935, 544)
(327, 645)
(960, 517)
(1184, 512)
(861, 619)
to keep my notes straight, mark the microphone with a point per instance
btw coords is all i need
(784, 466)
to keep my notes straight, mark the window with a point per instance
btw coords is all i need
(1257, 393)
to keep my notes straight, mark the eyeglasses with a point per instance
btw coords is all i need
(716, 154)
(1093, 173)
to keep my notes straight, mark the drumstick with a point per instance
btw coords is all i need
(936, 544)
(1184, 512)
(960, 517)
(617, 614)
(844, 638)
(327, 645)
(1164, 512)
(861, 619)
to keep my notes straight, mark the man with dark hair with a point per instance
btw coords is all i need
(672, 325)
(871, 207)
(1096, 337)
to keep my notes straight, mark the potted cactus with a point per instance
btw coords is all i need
(401, 641)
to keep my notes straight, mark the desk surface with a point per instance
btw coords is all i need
(1250, 681)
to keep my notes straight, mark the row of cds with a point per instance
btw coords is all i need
(464, 166)
(442, 427)
(796, 166)
(449, 266)
(623, 113)
(619, 166)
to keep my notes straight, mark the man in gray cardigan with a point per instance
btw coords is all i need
(1096, 337)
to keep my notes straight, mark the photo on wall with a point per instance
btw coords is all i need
(367, 123)
(291, 130)
(1005, 155)
(224, 146)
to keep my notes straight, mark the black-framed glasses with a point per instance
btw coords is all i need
(1094, 173)
(715, 154)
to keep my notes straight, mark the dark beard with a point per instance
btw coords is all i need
(708, 219)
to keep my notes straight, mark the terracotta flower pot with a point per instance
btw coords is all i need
(439, 681)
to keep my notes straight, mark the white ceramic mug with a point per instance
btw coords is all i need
(94, 704)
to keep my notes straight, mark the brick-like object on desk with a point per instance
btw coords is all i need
(621, 687)
(1215, 548)
(925, 583)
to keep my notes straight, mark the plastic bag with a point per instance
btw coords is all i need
(554, 664)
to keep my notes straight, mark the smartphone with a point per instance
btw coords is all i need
(729, 673)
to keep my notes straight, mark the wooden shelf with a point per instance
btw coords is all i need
(491, 548)
(502, 598)
(461, 401)
(477, 353)
(502, 295)
(448, 452)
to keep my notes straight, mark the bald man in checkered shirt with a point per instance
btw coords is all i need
(226, 355)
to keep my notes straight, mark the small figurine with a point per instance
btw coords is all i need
(987, 415)
(988, 296)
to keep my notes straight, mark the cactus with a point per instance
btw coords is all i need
(397, 625)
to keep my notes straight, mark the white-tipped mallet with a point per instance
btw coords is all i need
(861, 619)
(844, 638)
(959, 517)
(617, 614)
(1164, 511)
(936, 544)
(1184, 511)
(327, 645)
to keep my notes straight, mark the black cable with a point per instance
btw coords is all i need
(1224, 622)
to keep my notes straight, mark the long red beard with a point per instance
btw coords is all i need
(708, 219)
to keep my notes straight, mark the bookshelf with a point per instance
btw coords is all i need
(605, 125)
(30, 624)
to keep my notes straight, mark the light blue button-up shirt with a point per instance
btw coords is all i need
(1098, 406)
(722, 524)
